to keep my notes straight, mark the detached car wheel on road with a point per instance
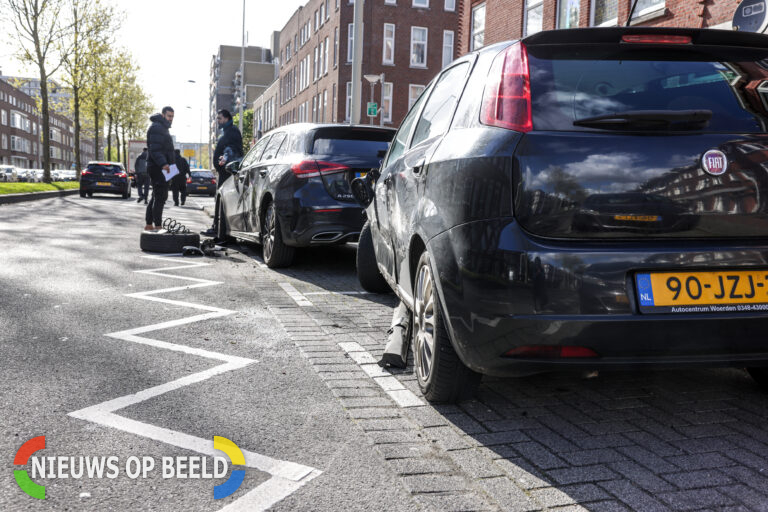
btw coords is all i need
(589, 199)
(105, 177)
(167, 242)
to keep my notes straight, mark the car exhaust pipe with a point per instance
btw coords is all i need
(327, 236)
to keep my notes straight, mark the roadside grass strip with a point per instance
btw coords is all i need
(285, 477)
(25, 188)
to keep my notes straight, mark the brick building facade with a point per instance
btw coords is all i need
(408, 41)
(483, 22)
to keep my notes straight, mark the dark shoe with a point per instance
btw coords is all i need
(139, 199)
(175, 204)
(145, 201)
(209, 232)
(182, 203)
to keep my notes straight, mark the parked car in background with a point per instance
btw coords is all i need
(68, 175)
(292, 189)
(105, 177)
(8, 173)
(201, 181)
(581, 199)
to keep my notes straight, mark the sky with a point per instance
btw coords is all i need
(173, 42)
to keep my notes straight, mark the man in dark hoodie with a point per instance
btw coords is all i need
(159, 160)
(142, 178)
(229, 147)
(179, 182)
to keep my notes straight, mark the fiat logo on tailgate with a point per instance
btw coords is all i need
(714, 162)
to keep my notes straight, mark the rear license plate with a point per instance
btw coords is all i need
(360, 174)
(103, 184)
(199, 187)
(638, 218)
(703, 292)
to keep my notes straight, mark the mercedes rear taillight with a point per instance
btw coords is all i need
(314, 168)
(507, 95)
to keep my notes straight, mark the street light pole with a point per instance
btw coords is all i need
(373, 79)
(242, 76)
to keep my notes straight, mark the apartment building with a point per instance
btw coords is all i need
(484, 22)
(406, 42)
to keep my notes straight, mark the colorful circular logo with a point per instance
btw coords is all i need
(714, 162)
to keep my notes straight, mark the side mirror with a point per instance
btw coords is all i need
(233, 166)
(362, 191)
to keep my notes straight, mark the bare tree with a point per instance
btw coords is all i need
(41, 31)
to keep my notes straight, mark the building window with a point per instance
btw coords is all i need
(325, 57)
(335, 45)
(350, 41)
(314, 109)
(4, 117)
(421, 3)
(413, 94)
(348, 109)
(534, 17)
(316, 65)
(327, 10)
(568, 14)
(419, 47)
(5, 142)
(605, 13)
(317, 21)
(647, 7)
(386, 101)
(388, 49)
(447, 47)
(322, 13)
(325, 102)
(478, 27)
(450, 5)
(390, 2)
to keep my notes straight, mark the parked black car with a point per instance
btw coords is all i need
(292, 189)
(201, 181)
(488, 218)
(105, 177)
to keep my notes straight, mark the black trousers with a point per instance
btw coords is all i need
(179, 184)
(155, 206)
(142, 185)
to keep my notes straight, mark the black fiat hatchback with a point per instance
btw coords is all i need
(292, 189)
(588, 198)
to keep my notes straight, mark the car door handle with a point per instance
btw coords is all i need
(419, 165)
(263, 173)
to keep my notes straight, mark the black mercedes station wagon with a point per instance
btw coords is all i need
(586, 199)
(292, 189)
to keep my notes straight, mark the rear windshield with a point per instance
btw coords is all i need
(202, 174)
(364, 144)
(733, 87)
(115, 169)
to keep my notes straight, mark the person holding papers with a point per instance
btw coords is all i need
(160, 158)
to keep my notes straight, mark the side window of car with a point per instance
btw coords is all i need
(285, 147)
(253, 155)
(437, 113)
(401, 137)
(273, 146)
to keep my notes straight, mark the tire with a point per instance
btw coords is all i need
(166, 242)
(760, 376)
(82, 193)
(126, 195)
(222, 229)
(441, 375)
(276, 253)
(367, 270)
(90, 194)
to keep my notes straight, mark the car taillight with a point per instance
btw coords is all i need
(655, 39)
(121, 175)
(189, 180)
(551, 351)
(507, 96)
(84, 173)
(314, 168)
(213, 181)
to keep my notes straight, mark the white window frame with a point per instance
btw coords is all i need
(5, 142)
(4, 117)
(348, 108)
(385, 98)
(390, 2)
(450, 5)
(557, 14)
(325, 56)
(529, 6)
(426, 47)
(473, 32)
(335, 46)
(421, 4)
(610, 23)
(413, 97)
(391, 39)
(448, 55)
(350, 41)
(649, 10)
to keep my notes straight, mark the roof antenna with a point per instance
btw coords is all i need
(631, 12)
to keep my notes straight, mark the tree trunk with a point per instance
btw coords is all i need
(46, 126)
(109, 138)
(117, 141)
(78, 157)
(125, 148)
(96, 147)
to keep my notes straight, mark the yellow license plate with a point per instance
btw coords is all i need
(637, 218)
(103, 184)
(202, 188)
(704, 292)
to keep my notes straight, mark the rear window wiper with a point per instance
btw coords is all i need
(649, 119)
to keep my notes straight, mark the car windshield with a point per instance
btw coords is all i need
(352, 146)
(202, 174)
(735, 91)
(115, 169)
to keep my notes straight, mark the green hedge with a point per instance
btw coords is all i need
(23, 188)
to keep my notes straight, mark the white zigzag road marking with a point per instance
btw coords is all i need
(286, 477)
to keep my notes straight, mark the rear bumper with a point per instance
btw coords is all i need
(325, 225)
(502, 289)
(113, 188)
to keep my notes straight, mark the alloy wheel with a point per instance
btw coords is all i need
(424, 323)
(269, 236)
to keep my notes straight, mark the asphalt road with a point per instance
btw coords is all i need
(108, 351)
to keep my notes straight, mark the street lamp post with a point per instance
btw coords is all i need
(372, 79)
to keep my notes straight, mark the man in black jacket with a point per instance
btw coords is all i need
(159, 160)
(179, 182)
(229, 147)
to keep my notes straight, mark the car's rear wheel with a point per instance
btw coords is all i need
(760, 375)
(90, 194)
(82, 193)
(441, 375)
(367, 270)
(276, 253)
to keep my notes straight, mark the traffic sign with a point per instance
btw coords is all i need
(373, 109)
(188, 153)
(751, 16)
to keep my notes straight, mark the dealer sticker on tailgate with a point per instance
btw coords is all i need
(703, 292)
